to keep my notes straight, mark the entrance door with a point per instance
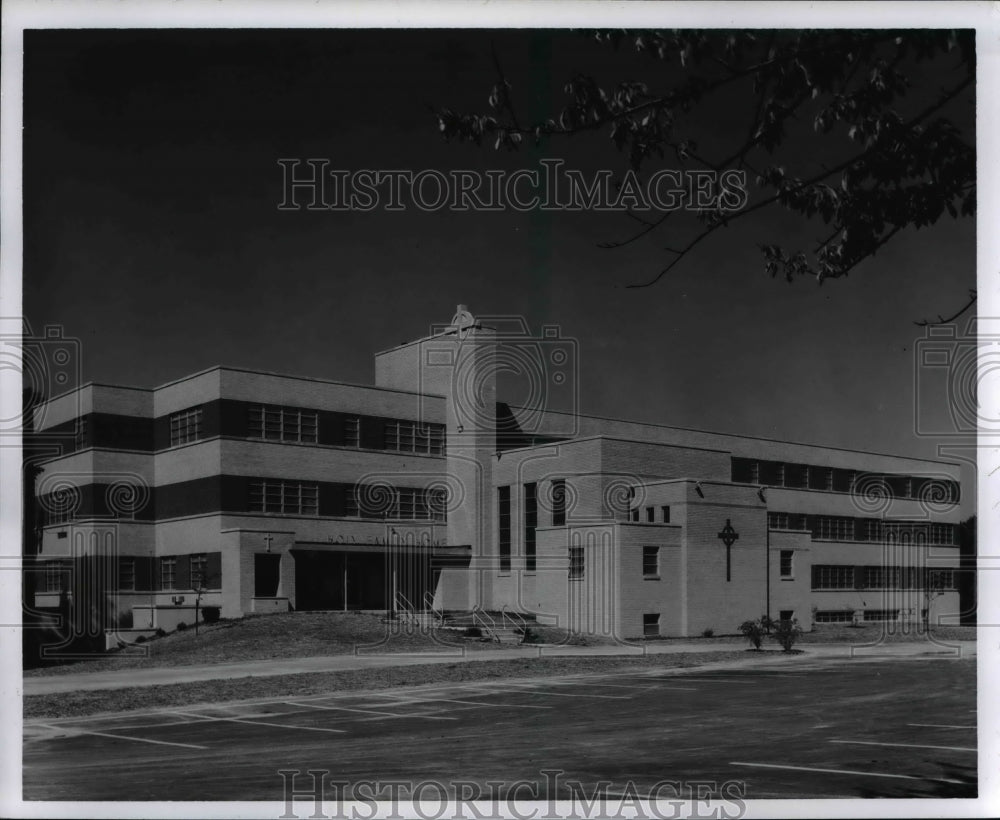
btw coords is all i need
(266, 575)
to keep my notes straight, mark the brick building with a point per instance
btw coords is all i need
(257, 492)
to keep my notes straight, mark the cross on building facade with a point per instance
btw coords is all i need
(729, 536)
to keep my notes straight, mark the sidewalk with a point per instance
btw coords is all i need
(119, 679)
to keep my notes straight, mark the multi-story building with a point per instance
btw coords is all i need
(257, 492)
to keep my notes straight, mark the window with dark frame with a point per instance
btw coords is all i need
(651, 625)
(352, 432)
(53, 577)
(650, 515)
(284, 497)
(126, 574)
(168, 573)
(832, 576)
(530, 525)
(558, 491)
(288, 424)
(414, 437)
(199, 570)
(577, 563)
(786, 563)
(650, 562)
(185, 426)
(665, 514)
(503, 520)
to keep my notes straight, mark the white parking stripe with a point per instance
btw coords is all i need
(845, 771)
(535, 689)
(471, 703)
(940, 726)
(283, 725)
(122, 737)
(905, 745)
(367, 711)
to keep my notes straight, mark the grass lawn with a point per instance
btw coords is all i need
(309, 634)
(310, 683)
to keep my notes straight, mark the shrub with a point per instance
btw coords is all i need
(210, 614)
(141, 639)
(160, 632)
(754, 631)
(787, 633)
(473, 632)
(181, 626)
(708, 633)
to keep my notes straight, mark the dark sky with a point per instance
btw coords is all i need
(152, 234)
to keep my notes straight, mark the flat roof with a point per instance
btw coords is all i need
(217, 367)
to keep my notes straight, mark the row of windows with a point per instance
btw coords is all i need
(284, 424)
(846, 616)
(845, 528)
(395, 503)
(283, 497)
(56, 575)
(650, 515)
(288, 497)
(412, 437)
(835, 479)
(837, 576)
(294, 424)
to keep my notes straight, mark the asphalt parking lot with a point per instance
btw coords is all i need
(859, 728)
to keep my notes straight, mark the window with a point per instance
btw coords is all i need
(559, 503)
(743, 470)
(941, 579)
(437, 504)
(834, 616)
(832, 576)
(81, 433)
(786, 563)
(352, 432)
(820, 478)
(786, 614)
(665, 515)
(882, 577)
(651, 625)
(168, 573)
(53, 577)
(577, 565)
(199, 571)
(786, 521)
(881, 614)
(530, 524)
(839, 480)
(503, 519)
(650, 514)
(633, 514)
(351, 508)
(185, 426)
(796, 476)
(650, 562)
(287, 497)
(413, 437)
(284, 424)
(126, 574)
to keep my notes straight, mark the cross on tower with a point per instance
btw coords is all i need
(729, 536)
